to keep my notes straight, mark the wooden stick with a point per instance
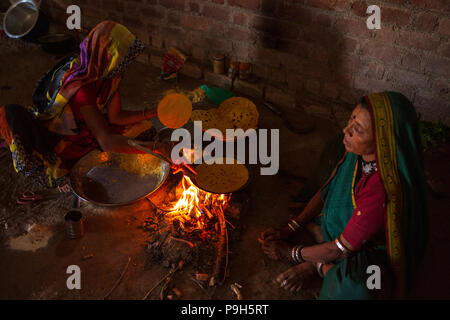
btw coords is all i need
(118, 280)
(180, 265)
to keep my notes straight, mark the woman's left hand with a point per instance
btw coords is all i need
(276, 250)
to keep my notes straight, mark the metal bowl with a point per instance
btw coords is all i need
(100, 178)
(23, 19)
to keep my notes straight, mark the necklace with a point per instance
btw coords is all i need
(368, 167)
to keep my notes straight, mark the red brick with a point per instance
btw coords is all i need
(324, 19)
(268, 7)
(440, 66)
(265, 56)
(272, 74)
(218, 29)
(439, 5)
(386, 35)
(318, 54)
(240, 35)
(432, 108)
(352, 27)
(192, 70)
(220, 44)
(405, 77)
(418, 40)
(426, 22)
(374, 71)
(174, 19)
(273, 27)
(441, 86)
(359, 8)
(279, 97)
(194, 7)
(219, 80)
(240, 50)
(219, 1)
(411, 61)
(196, 23)
(444, 26)
(255, 90)
(336, 5)
(199, 53)
(380, 51)
(216, 13)
(156, 60)
(300, 15)
(157, 41)
(349, 45)
(446, 51)
(331, 90)
(313, 86)
(176, 4)
(399, 17)
(246, 4)
(150, 12)
(240, 19)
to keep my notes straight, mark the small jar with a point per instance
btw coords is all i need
(219, 64)
(244, 70)
(233, 71)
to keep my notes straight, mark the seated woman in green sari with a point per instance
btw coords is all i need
(372, 210)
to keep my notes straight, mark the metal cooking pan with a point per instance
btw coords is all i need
(188, 172)
(100, 178)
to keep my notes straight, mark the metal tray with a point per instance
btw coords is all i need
(99, 178)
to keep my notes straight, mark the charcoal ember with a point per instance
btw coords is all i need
(233, 211)
(174, 250)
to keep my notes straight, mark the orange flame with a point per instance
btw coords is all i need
(196, 207)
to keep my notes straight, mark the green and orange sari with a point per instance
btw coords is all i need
(399, 160)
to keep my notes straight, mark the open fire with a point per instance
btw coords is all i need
(197, 211)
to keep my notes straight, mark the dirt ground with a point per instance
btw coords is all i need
(33, 264)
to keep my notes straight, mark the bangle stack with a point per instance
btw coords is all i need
(296, 254)
(319, 267)
(294, 225)
(341, 247)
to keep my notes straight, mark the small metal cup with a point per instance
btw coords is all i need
(74, 224)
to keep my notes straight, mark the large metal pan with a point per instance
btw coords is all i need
(101, 178)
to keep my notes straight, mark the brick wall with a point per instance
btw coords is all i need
(303, 51)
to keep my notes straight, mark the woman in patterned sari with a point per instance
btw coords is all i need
(372, 210)
(76, 108)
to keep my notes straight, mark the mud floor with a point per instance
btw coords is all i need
(35, 253)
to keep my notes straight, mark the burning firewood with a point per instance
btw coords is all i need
(236, 289)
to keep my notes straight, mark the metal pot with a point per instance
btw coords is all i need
(25, 21)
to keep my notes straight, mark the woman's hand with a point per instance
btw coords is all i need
(273, 234)
(150, 113)
(276, 250)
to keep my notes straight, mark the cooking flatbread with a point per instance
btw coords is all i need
(221, 178)
(175, 110)
(240, 112)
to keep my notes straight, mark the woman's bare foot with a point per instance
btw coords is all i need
(276, 250)
(294, 278)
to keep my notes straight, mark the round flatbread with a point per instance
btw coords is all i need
(221, 178)
(239, 112)
(175, 110)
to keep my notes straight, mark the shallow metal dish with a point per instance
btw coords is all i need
(100, 179)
